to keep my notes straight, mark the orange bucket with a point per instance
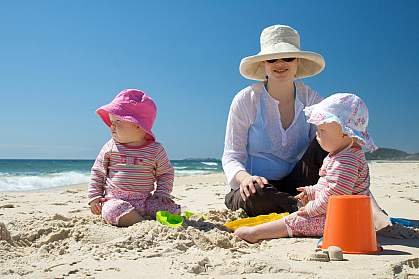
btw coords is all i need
(349, 225)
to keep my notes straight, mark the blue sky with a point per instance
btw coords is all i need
(60, 60)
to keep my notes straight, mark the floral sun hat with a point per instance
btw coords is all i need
(349, 111)
(131, 105)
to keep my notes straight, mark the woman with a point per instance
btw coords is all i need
(270, 149)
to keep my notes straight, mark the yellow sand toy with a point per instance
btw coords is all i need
(253, 221)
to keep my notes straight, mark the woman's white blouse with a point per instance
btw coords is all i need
(255, 140)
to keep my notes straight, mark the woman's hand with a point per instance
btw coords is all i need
(302, 197)
(247, 183)
(96, 206)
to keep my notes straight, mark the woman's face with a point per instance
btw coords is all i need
(126, 132)
(281, 70)
(331, 137)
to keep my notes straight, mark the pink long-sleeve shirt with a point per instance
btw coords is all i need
(135, 169)
(344, 173)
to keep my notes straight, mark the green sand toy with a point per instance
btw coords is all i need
(168, 219)
(188, 214)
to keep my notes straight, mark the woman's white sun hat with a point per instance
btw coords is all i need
(277, 42)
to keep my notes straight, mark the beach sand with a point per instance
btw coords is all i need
(52, 234)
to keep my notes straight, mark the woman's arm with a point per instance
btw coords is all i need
(312, 98)
(241, 116)
(238, 124)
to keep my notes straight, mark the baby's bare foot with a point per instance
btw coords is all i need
(4, 233)
(247, 233)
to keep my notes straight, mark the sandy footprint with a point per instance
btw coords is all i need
(55, 236)
(7, 206)
(75, 211)
(398, 231)
(406, 269)
(4, 233)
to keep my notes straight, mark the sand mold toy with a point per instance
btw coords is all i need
(350, 225)
(168, 219)
(405, 222)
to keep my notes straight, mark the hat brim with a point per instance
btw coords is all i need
(309, 64)
(113, 109)
(317, 116)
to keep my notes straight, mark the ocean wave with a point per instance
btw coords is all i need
(210, 163)
(192, 172)
(180, 168)
(12, 182)
(195, 169)
(37, 182)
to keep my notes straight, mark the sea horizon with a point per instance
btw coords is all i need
(41, 174)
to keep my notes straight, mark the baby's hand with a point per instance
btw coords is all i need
(302, 212)
(302, 197)
(96, 206)
(162, 198)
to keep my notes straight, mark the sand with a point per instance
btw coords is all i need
(51, 234)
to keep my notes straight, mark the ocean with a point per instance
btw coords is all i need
(28, 175)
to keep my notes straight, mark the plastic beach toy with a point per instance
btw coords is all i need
(188, 214)
(168, 219)
(349, 225)
(405, 222)
(253, 221)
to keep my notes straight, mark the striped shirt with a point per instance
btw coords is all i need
(128, 168)
(344, 173)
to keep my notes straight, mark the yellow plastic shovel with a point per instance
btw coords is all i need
(253, 221)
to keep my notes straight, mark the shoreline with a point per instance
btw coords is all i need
(85, 183)
(78, 185)
(181, 176)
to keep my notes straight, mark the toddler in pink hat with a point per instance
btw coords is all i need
(132, 176)
(341, 122)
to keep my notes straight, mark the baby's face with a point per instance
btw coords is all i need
(126, 132)
(331, 137)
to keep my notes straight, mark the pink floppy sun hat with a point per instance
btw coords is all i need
(131, 105)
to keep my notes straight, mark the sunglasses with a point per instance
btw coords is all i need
(283, 59)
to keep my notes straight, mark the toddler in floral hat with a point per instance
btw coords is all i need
(132, 176)
(341, 122)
